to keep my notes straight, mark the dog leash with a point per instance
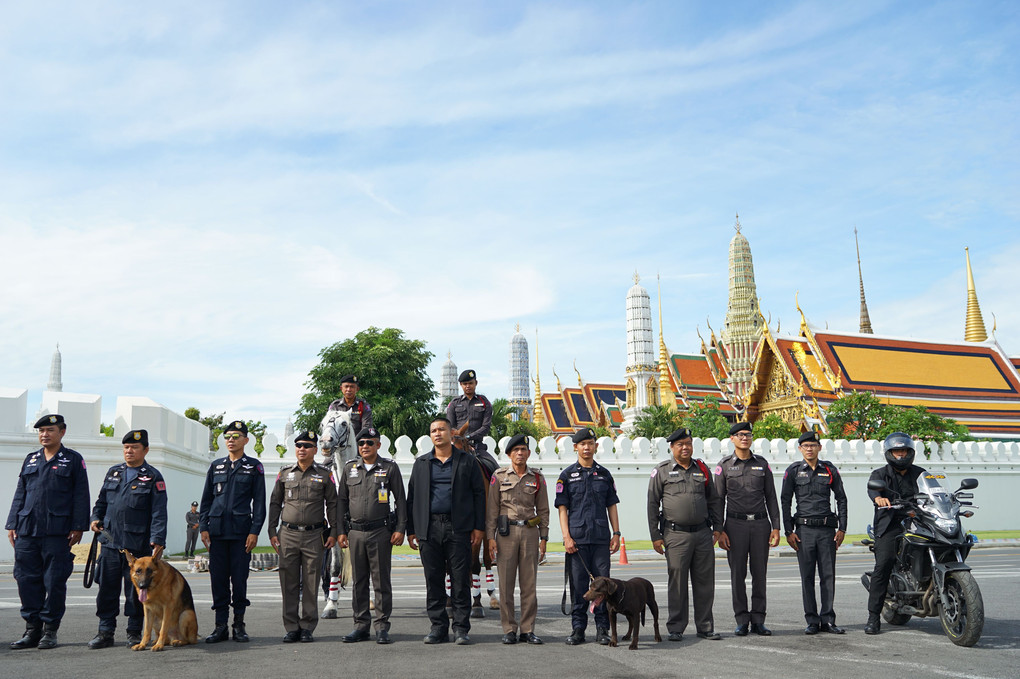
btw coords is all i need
(567, 576)
(90, 562)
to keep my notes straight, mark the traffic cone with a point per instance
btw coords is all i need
(623, 552)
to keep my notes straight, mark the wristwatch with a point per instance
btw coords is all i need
(617, 533)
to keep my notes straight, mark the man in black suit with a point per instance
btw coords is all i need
(446, 497)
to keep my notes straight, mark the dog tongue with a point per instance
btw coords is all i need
(143, 594)
(591, 607)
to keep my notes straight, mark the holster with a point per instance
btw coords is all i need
(391, 521)
(534, 521)
(503, 525)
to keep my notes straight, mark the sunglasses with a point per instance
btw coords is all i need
(304, 445)
(368, 443)
(231, 437)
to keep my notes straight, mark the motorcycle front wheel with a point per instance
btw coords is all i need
(964, 617)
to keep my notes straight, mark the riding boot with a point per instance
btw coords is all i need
(33, 631)
(49, 636)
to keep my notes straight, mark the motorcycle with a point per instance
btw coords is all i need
(930, 576)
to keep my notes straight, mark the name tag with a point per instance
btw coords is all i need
(384, 495)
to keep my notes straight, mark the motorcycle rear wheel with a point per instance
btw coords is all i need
(964, 618)
(894, 618)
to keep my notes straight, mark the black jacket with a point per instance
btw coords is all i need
(468, 495)
(891, 518)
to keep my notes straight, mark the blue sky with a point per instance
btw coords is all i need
(196, 198)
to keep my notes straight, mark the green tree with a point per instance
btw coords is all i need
(106, 429)
(923, 424)
(214, 422)
(772, 426)
(858, 415)
(705, 421)
(501, 412)
(391, 370)
(257, 430)
(659, 421)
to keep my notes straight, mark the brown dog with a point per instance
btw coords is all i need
(628, 598)
(166, 596)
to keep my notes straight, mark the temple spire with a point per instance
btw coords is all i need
(865, 318)
(55, 383)
(539, 415)
(975, 328)
(666, 396)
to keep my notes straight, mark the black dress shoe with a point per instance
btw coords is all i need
(676, 636)
(219, 634)
(239, 633)
(436, 638)
(711, 636)
(530, 638)
(30, 639)
(102, 640)
(602, 636)
(831, 628)
(510, 638)
(812, 628)
(134, 638)
(382, 637)
(741, 630)
(356, 636)
(292, 637)
(576, 637)
(760, 629)
(462, 639)
(306, 636)
(48, 638)
(873, 626)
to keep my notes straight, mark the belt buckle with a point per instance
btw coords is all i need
(750, 517)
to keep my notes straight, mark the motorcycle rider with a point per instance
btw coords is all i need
(900, 477)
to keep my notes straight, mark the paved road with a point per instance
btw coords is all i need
(919, 649)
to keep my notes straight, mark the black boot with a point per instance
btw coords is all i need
(33, 631)
(238, 631)
(602, 635)
(49, 635)
(219, 634)
(103, 639)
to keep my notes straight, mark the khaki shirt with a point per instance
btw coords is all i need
(304, 498)
(519, 497)
(366, 495)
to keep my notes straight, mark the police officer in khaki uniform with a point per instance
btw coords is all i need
(369, 486)
(304, 497)
(517, 524)
(685, 530)
(747, 490)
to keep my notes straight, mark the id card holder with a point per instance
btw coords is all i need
(384, 495)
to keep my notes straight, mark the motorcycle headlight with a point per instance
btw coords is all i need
(947, 526)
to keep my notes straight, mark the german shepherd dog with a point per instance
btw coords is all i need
(166, 596)
(628, 597)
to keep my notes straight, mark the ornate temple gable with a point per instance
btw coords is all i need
(832, 377)
(774, 388)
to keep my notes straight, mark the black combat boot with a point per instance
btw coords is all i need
(238, 633)
(33, 631)
(49, 635)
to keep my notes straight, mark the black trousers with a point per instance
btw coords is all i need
(749, 543)
(228, 576)
(444, 549)
(597, 558)
(41, 568)
(817, 553)
(885, 558)
(189, 546)
(113, 574)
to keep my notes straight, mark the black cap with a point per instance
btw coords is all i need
(307, 435)
(48, 420)
(368, 433)
(517, 440)
(236, 425)
(136, 436)
(808, 437)
(194, 504)
(349, 378)
(466, 376)
(583, 435)
(740, 426)
(682, 433)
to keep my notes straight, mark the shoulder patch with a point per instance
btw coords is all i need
(718, 470)
(492, 481)
(259, 467)
(161, 486)
(654, 472)
(559, 486)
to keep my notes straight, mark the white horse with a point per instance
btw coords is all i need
(336, 438)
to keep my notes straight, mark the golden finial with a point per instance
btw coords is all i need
(995, 324)
(737, 225)
(636, 277)
(517, 327)
(974, 330)
(580, 382)
(539, 417)
(666, 396)
(449, 355)
(865, 325)
(559, 387)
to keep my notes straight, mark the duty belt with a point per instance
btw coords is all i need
(686, 529)
(747, 517)
(827, 521)
(368, 525)
(297, 526)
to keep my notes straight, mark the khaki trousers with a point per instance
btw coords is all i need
(518, 555)
(300, 568)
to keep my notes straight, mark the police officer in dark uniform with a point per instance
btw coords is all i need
(369, 486)
(232, 512)
(815, 533)
(131, 507)
(304, 497)
(361, 412)
(900, 477)
(685, 530)
(587, 499)
(473, 408)
(747, 490)
(49, 513)
(191, 519)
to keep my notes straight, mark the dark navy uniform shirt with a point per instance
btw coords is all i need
(234, 500)
(812, 488)
(131, 505)
(441, 485)
(476, 411)
(361, 413)
(52, 496)
(747, 487)
(587, 493)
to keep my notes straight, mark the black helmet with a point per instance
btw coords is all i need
(898, 441)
